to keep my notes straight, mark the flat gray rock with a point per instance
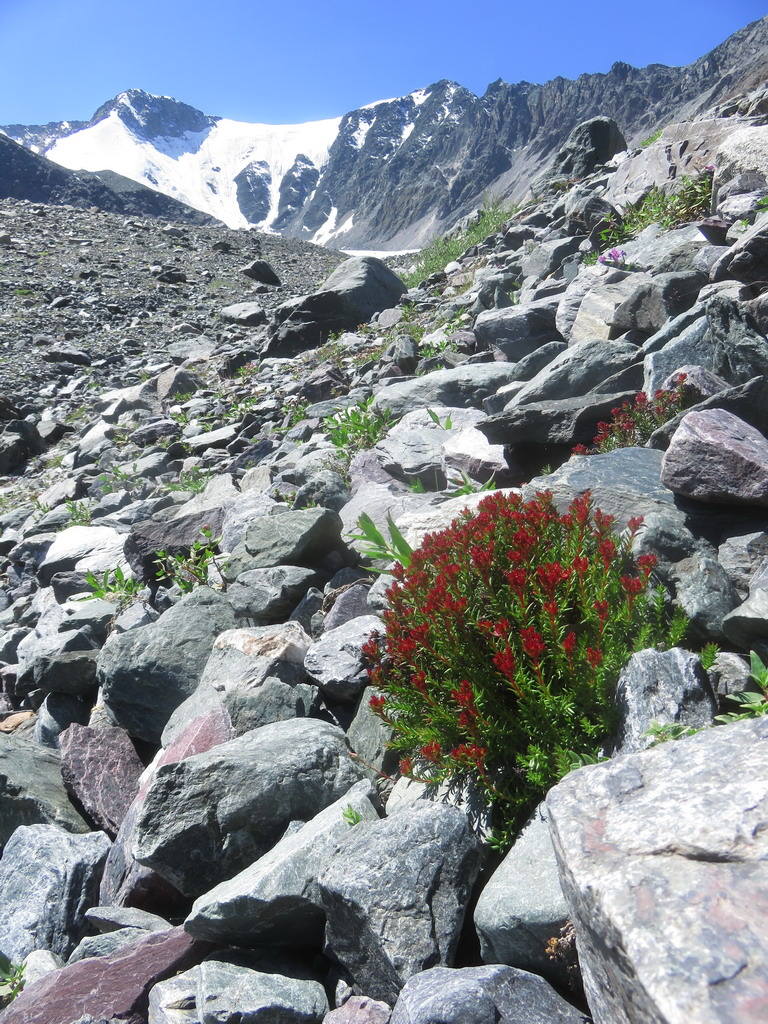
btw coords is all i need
(481, 995)
(275, 901)
(395, 897)
(624, 483)
(230, 994)
(666, 852)
(207, 817)
(461, 386)
(522, 906)
(582, 368)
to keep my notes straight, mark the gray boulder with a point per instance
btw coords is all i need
(704, 592)
(577, 371)
(269, 595)
(522, 907)
(463, 386)
(567, 421)
(358, 288)
(662, 857)
(244, 314)
(228, 993)
(207, 817)
(395, 897)
(369, 738)
(624, 483)
(481, 995)
(590, 143)
(649, 307)
(275, 901)
(31, 790)
(302, 537)
(148, 671)
(715, 456)
(258, 676)
(48, 878)
(668, 687)
(336, 661)
(517, 331)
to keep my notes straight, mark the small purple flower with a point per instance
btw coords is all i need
(614, 257)
(710, 168)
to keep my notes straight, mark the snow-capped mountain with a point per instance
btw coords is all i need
(391, 174)
(243, 174)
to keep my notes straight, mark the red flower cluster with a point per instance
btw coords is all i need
(633, 422)
(504, 638)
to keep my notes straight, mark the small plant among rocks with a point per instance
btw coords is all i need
(11, 980)
(190, 571)
(691, 200)
(750, 703)
(505, 637)
(634, 422)
(358, 426)
(113, 585)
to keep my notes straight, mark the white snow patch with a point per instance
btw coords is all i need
(407, 131)
(419, 96)
(184, 167)
(359, 134)
(322, 234)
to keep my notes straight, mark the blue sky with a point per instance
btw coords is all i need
(287, 62)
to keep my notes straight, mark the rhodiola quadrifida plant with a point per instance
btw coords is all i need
(505, 637)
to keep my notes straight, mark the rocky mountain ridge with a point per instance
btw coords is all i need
(335, 181)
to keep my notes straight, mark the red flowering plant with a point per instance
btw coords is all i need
(504, 640)
(634, 421)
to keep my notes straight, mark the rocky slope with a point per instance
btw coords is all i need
(24, 175)
(199, 815)
(437, 150)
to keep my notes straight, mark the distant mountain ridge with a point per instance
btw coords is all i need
(390, 174)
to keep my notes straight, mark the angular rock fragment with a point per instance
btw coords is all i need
(206, 818)
(114, 987)
(395, 897)
(479, 995)
(522, 906)
(48, 878)
(663, 860)
(100, 769)
(148, 671)
(275, 901)
(715, 456)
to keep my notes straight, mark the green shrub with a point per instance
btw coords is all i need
(691, 199)
(750, 703)
(443, 250)
(633, 422)
(358, 426)
(11, 980)
(652, 138)
(114, 585)
(190, 571)
(504, 640)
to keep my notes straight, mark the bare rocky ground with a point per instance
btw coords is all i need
(120, 290)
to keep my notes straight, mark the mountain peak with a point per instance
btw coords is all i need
(154, 117)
